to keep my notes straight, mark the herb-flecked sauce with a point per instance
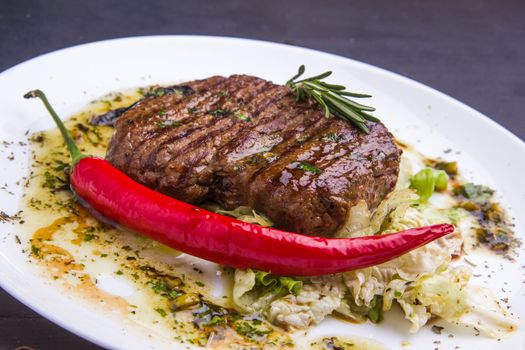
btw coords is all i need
(160, 290)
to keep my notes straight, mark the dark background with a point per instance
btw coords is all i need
(471, 50)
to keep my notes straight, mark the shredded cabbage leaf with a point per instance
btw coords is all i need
(242, 213)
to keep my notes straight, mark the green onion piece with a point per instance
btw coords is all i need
(293, 286)
(376, 312)
(265, 278)
(427, 181)
(280, 285)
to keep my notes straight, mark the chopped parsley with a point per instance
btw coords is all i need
(61, 165)
(88, 237)
(478, 194)
(247, 330)
(332, 137)
(161, 312)
(242, 117)
(309, 168)
(158, 286)
(216, 320)
(174, 294)
(256, 158)
(167, 123)
(219, 112)
(35, 250)
(300, 139)
(52, 182)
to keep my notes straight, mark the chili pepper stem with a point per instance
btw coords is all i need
(75, 153)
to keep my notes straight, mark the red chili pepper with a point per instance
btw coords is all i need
(107, 191)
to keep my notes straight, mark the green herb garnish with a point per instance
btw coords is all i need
(216, 320)
(219, 112)
(158, 286)
(333, 98)
(161, 312)
(375, 314)
(174, 294)
(35, 250)
(52, 181)
(247, 330)
(167, 123)
(242, 117)
(61, 165)
(478, 194)
(332, 137)
(308, 167)
(88, 237)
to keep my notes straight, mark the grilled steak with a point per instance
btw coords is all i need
(243, 140)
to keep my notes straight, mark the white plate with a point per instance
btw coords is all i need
(430, 120)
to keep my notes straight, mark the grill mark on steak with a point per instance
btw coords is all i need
(203, 121)
(151, 129)
(200, 101)
(190, 124)
(262, 102)
(206, 128)
(206, 131)
(292, 202)
(180, 171)
(198, 144)
(245, 151)
(212, 156)
(251, 171)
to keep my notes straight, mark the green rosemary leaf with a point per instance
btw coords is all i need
(317, 96)
(344, 108)
(369, 117)
(299, 73)
(351, 103)
(317, 77)
(352, 94)
(333, 98)
(332, 86)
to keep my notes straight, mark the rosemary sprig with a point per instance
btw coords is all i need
(333, 98)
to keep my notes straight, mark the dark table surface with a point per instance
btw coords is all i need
(471, 50)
